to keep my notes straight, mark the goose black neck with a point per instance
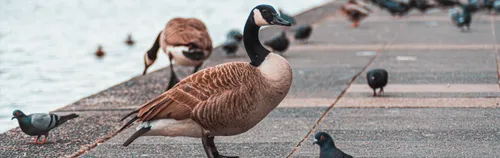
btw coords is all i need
(256, 52)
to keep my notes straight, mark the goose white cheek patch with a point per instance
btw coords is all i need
(257, 17)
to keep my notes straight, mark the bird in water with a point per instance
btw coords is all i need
(38, 124)
(327, 146)
(99, 53)
(224, 100)
(186, 41)
(377, 78)
(421, 5)
(129, 40)
(303, 32)
(464, 18)
(355, 11)
(278, 43)
(287, 17)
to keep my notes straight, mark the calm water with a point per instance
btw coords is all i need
(46, 47)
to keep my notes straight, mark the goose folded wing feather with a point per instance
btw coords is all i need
(195, 91)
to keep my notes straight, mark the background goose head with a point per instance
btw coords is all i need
(266, 15)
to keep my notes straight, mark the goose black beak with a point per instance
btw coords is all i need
(13, 118)
(278, 20)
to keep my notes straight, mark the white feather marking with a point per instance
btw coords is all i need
(179, 57)
(257, 17)
(172, 127)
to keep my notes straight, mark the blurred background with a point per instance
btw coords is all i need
(47, 47)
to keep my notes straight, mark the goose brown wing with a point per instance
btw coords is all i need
(180, 31)
(178, 103)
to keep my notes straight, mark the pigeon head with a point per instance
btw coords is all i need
(322, 138)
(17, 114)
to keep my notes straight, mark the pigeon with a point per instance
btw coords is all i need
(327, 147)
(38, 124)
(421, 5)
(129, 40)
(235, 34)
(230, 47)
(447, 3)
(99, 53)
(278, 43)
(303, 32)
(463, 19)
(377, 78)
(396, 8)
(287, 17)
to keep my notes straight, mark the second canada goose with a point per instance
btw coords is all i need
(278, 43)
(186, 41)
(224, 100)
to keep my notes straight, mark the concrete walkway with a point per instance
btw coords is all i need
(442, 99)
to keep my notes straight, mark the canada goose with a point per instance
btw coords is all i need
(186, 41)
(99, 53)
(278, 43)
(303, 32)
(224, 100)
(230, 47)
(129, 40)
(355, 11)
(235, 34)
(377, 78)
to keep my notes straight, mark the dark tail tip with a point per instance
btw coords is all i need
(71, 116)
(136, 135)
(127, 124)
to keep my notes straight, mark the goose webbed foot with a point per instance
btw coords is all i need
(210, 149)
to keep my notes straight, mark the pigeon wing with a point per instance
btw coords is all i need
(44, 122)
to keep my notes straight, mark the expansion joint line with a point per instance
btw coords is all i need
(383, 48)
(495, 47)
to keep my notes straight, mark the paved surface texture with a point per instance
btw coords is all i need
(444, 101)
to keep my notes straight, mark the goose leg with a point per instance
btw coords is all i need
(173, 77)
(211, 143)
(206, 147)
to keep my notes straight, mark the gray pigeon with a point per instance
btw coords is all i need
(327, 147)
(39, 124)
(377, 78)
(279, 43)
